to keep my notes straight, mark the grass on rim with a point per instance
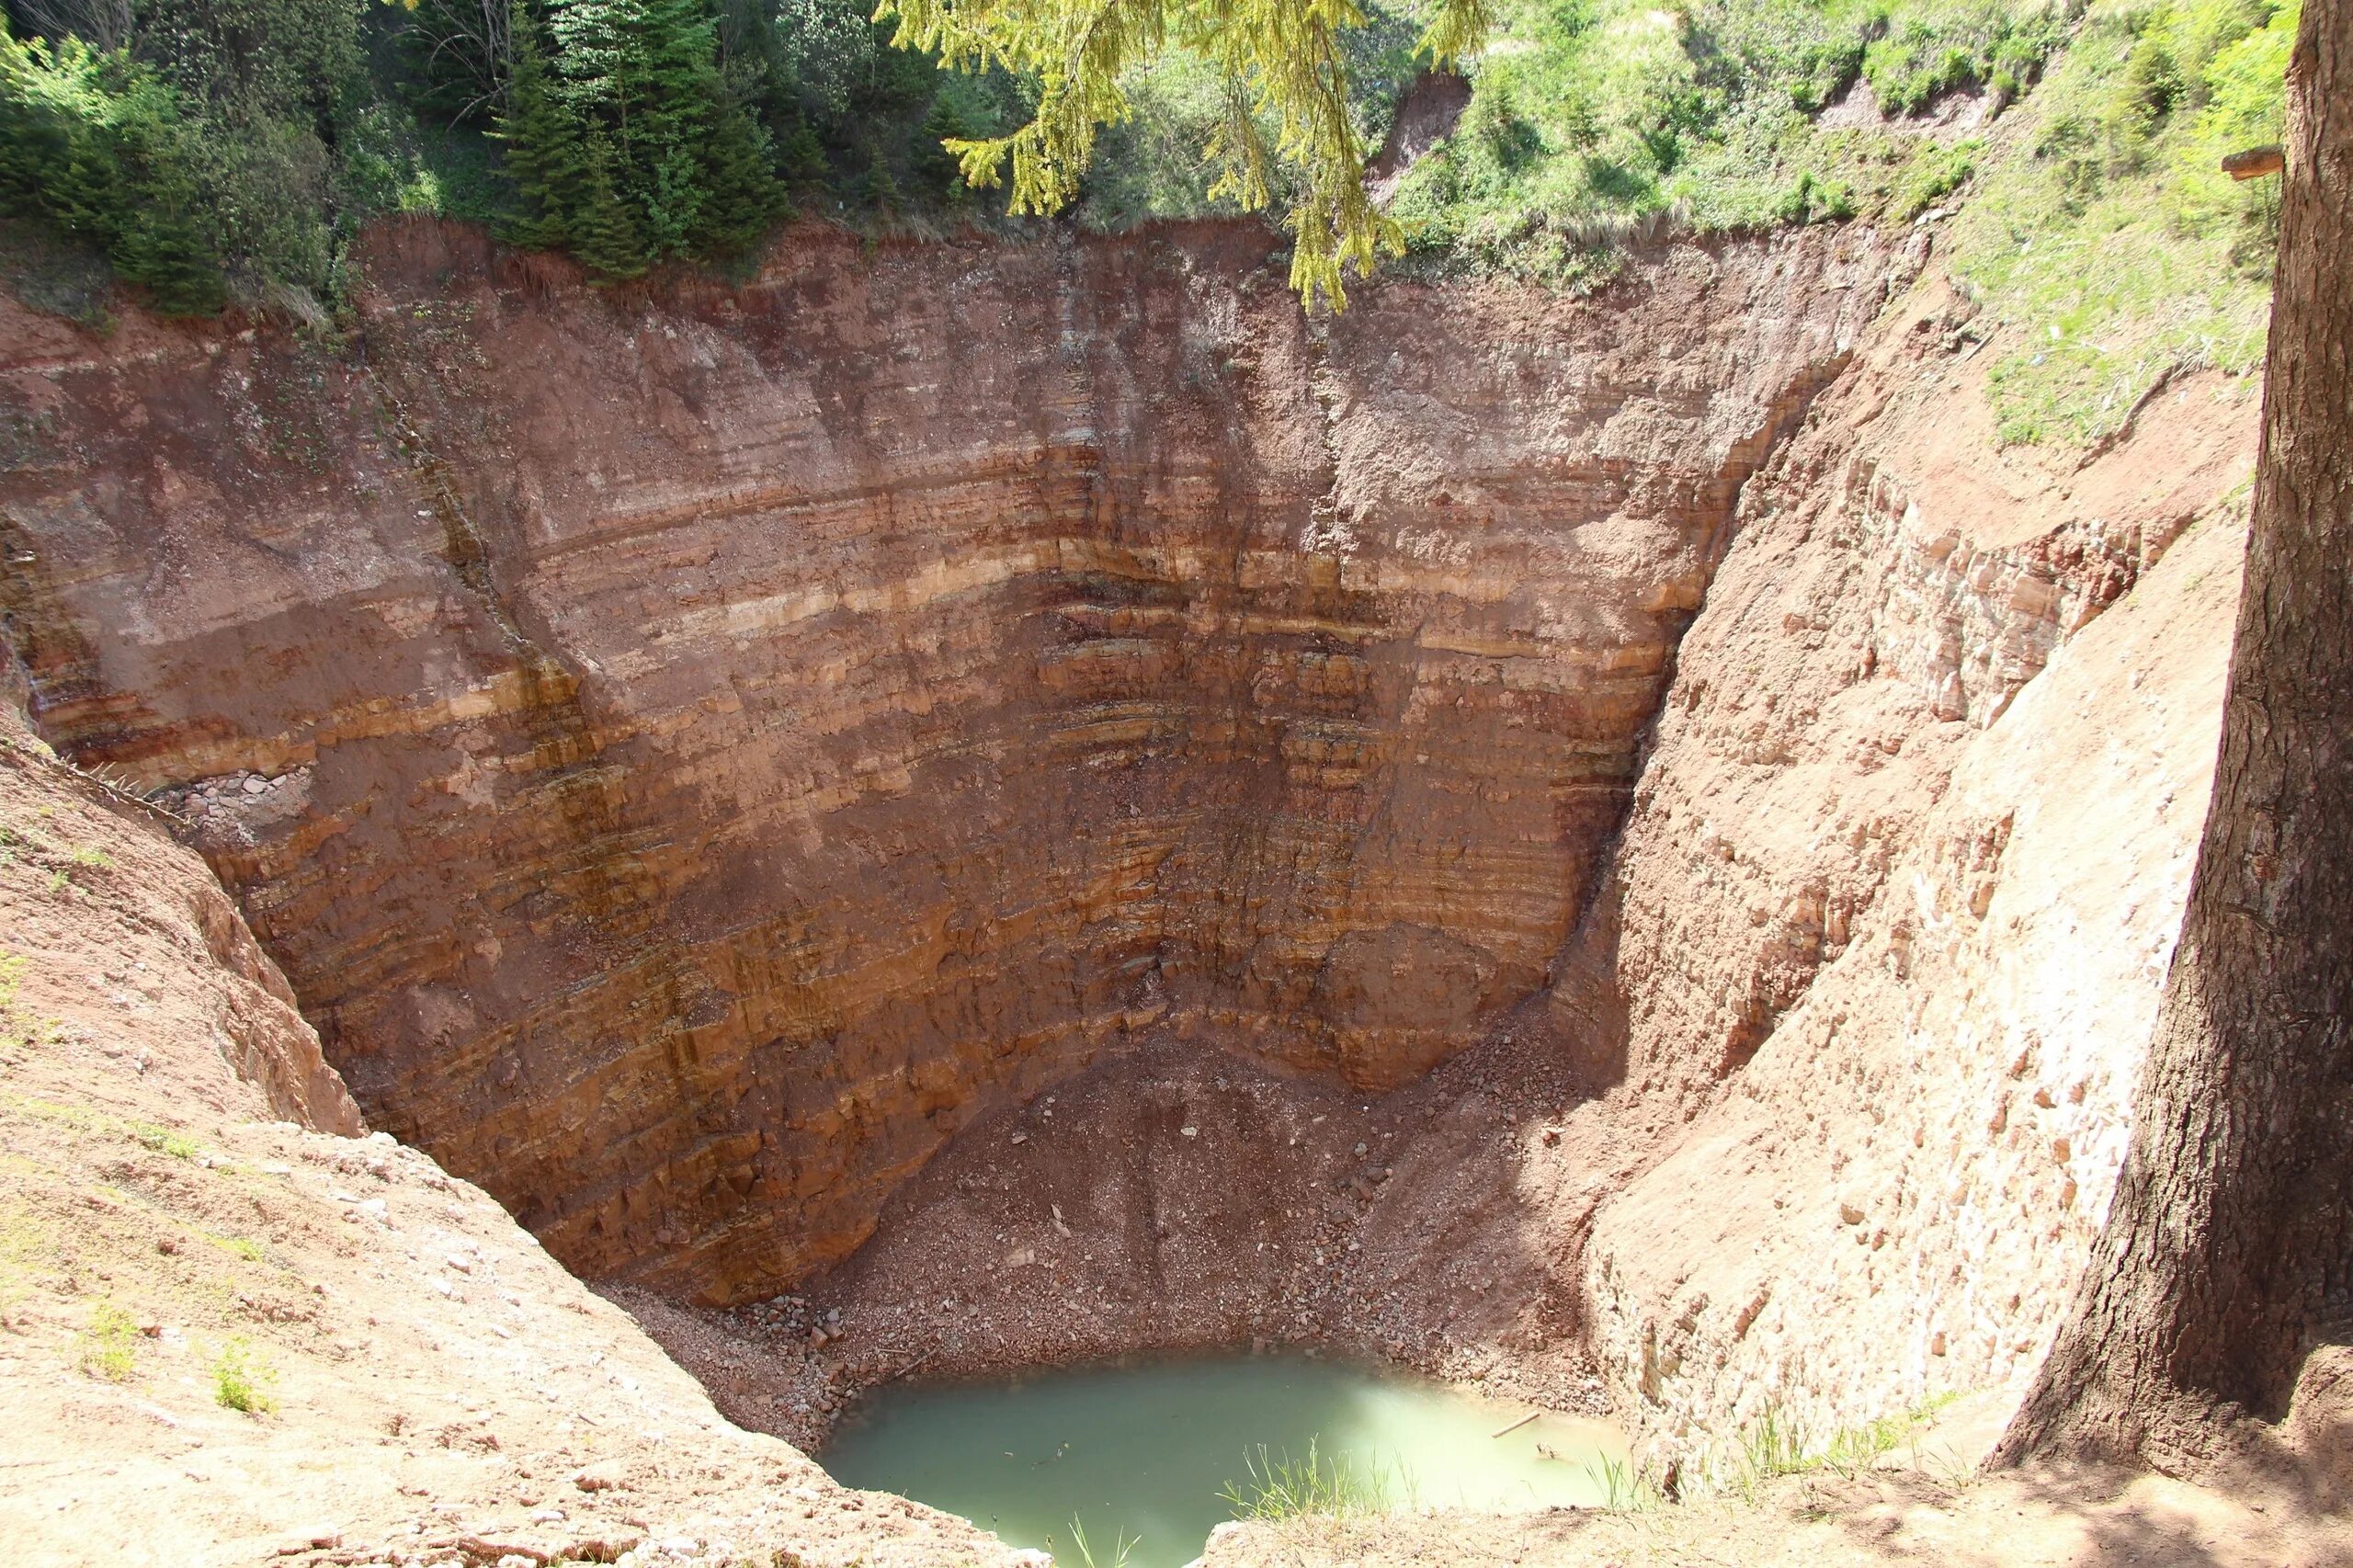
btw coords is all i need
(2107, 236)
(1121, 1548)
(1773, 1446)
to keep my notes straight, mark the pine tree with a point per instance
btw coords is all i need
(741, 196)
(93, 145)
(545, 157)
(606, 231)
(624, 142)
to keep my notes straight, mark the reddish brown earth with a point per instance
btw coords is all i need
(695, 750)
(1618, 849)
(1824, 1114)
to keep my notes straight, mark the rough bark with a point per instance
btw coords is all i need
(2229, 1242)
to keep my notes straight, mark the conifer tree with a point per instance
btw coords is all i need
(545, 155)
(741, 195)
(93, 143)
(624, 142)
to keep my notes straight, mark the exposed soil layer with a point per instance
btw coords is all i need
(696, 750)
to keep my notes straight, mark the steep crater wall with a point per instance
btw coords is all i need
(692, 751)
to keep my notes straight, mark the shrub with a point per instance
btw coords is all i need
(93, 145)
(109, 1347)
(241, 1380)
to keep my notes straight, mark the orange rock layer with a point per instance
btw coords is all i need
(694, 749)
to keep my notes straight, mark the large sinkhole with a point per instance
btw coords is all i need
(697, 756)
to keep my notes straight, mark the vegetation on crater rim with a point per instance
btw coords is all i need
(219, 149)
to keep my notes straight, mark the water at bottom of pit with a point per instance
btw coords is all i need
(1142, 1451)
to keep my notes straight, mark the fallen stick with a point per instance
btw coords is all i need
(1508, 1431)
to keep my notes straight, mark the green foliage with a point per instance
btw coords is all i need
(1590, 117)
(242, 1380)
(1278, 64)
(1938, 47)
(2111, 242)
(623, 142)
(1774, 1445)
(270, 90)
(457, 59)
(219, 149)
(1280, 1487)
(1154, 162)
(1935, 174)
(110, 1344)
(163, 1141)
(93, 144)
(1625, 1488)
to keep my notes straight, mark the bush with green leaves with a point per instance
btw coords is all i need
(241, 1378)
(93, 145)
(110, 1346)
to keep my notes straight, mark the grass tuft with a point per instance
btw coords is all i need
(163, 1141)
(1278, 1486)
(109, 1347)
(242, 1380)
(1775, 1445)
(1624, 1487)
(1123, 1549)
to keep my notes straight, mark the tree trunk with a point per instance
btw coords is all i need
(2229, 1242)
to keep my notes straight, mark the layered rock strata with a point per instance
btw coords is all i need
(694, 749)
(1826, 1106)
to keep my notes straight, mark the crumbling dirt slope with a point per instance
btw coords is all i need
(1882, 940)
(184, 1181)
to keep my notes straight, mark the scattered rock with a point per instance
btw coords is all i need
(603, 1477)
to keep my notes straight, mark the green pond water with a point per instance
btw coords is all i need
(1143, 1450)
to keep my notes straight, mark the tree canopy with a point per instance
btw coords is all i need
(1282, 59)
